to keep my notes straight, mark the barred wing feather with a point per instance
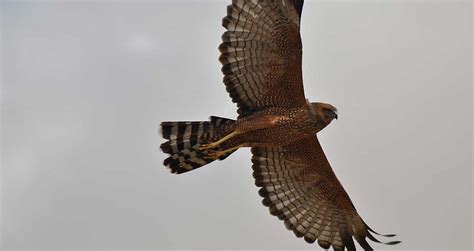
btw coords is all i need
(261, 54)
(300, 188)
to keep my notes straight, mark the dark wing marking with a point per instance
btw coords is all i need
(299, 186)
(299, 7)
(261, 54)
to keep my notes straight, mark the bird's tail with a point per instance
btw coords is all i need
(185, 140)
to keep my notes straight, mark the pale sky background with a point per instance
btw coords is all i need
(85, 85)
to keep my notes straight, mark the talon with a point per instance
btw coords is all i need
(213, 156)
(217, 154)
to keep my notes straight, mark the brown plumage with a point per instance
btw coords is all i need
(261, 55)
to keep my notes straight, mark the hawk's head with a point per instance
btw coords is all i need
(323, 112)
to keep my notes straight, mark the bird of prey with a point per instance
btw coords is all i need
(261, 53)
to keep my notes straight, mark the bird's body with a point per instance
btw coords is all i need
(261, 55)
(274, 127)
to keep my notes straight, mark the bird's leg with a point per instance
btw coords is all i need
(217, 143)
(218, 154)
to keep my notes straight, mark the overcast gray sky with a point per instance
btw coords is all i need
(86, 83)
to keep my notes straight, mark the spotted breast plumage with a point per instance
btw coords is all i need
(261, 53)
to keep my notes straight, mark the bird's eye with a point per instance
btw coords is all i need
(330, 113)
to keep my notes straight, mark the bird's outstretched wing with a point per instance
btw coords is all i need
(261, 54)
(299, 186)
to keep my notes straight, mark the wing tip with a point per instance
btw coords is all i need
(372, 238)
(299, 6)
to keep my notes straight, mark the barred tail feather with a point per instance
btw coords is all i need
(185, 140)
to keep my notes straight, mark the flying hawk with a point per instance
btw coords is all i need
(261, 55)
